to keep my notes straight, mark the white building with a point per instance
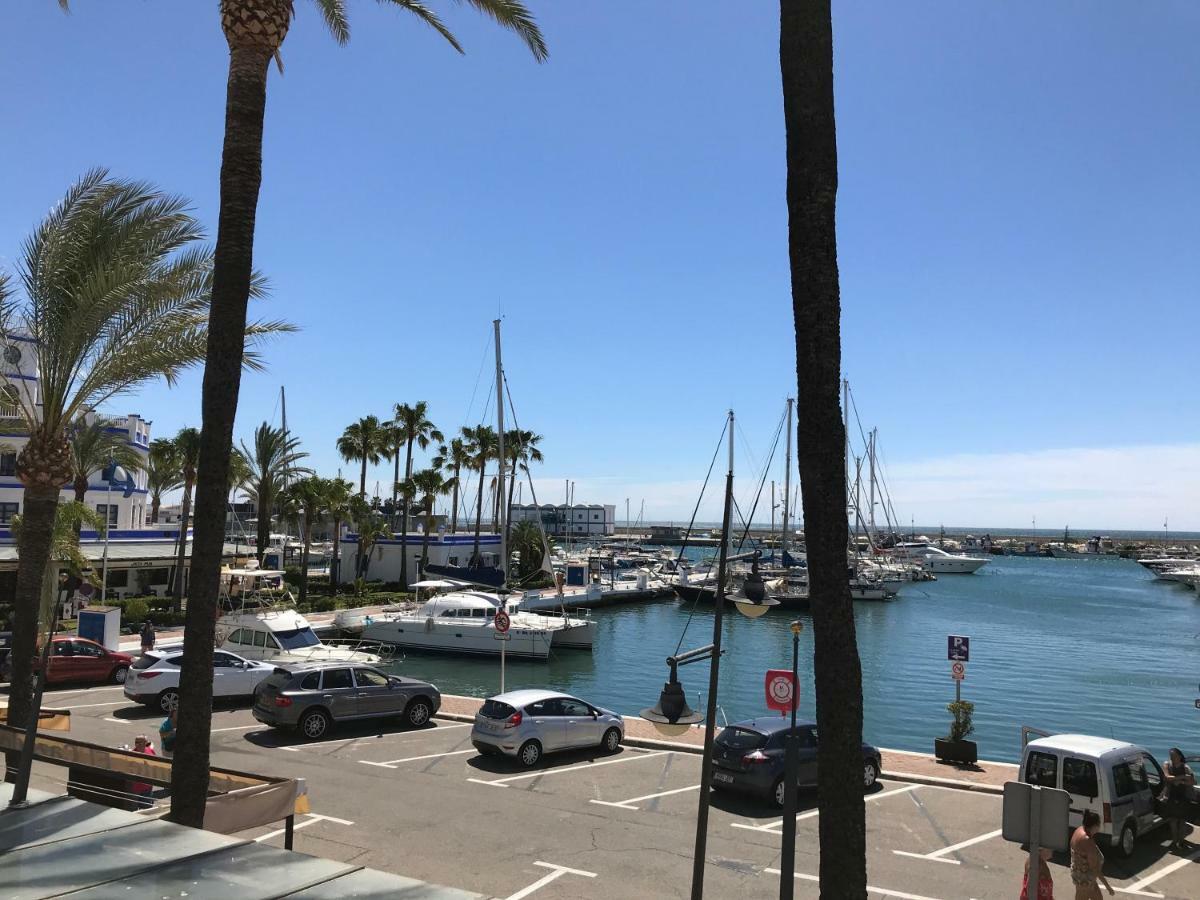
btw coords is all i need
(582, 520)
(444, 550)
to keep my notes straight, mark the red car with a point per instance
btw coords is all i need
(78, 659)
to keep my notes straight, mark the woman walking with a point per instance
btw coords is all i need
(1180, 782)
(1087, 862)
(1045, 883)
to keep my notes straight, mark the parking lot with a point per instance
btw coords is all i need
(424, 804)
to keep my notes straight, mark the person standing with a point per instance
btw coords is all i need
(1045, 884)
(1087, 862)
(141, 789)
(1177, 792)
(166, 732)
(147, 636)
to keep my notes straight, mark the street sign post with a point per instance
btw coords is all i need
(501, 624)
(958, 648)
(1036, 816)
(782, 690)
(958, 671)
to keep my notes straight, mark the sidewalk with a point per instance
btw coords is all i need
(899, 765)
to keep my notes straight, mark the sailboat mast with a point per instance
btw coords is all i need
(871, 512)
(501, 512)
(846, 426)
(787, 480)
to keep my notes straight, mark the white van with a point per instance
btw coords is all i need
(1119, 781)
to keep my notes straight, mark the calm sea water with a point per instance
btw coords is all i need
(1092, 646)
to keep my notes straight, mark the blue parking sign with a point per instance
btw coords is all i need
(958, 648)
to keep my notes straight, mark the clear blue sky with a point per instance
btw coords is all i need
(1017, 219)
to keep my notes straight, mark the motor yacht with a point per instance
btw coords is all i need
(936, 560)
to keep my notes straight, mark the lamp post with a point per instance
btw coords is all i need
(787, 864)
(672, 716)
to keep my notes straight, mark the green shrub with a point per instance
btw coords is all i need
(962, 726)
(135, 610)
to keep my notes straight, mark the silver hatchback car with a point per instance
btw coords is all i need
(527, 724)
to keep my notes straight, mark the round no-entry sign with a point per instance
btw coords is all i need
(958, 671)
(780, 690)
(502, 622)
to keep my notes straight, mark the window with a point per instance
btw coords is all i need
(83, 648)
(449, 614)
(1042, 769)
(544, 708)
(311, 681)
(7, 511)
(1079, 777)
(572, 707)
(8, 464)
(1151, 774)
(741, 739)
(478, 613)
(236, 637)
(1125, 782)
(370, 678)
(337, 678)
(108, 512)
(260, 639)
(453, 560)
(63, 648)
(296, 639)
(223, 661)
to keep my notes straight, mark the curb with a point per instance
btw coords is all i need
(909, 778)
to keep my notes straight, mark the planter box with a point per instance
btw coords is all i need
(955, 751)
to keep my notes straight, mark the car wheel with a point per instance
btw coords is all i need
(418, 713)
(119, 674)
(168, 701)
(612, 740)
(314, 724)
(778, 793)
(530, 754)
(1126, 844)
(870, 774)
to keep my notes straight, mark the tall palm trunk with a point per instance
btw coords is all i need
(478, 516)
(304, 558)
(335, 564)
(38, 510)
(262, 528)
(155, 503)
(454, 507)
(81, 486)
(362, 478)
(241, 176)
(425, 536)
(185, 512)
(806, 64)
(404, 520)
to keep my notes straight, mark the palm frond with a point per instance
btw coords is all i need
(334, 14)
(430, 18)
(516, 17)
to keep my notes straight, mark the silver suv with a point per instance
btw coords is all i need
(312, 697)
(529, 723)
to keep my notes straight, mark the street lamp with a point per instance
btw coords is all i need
(112, 473)
(672, 716)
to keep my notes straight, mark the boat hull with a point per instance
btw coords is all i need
(472, 640)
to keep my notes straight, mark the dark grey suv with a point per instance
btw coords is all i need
(312, 697)
(749, 757)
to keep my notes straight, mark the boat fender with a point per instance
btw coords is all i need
(429, 624)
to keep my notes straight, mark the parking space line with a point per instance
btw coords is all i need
(312, 819)
(627, 804)
(771, 827)
(1137, 886)
(503, 782)
(374, 737)
(871, 889)
(392, 763)
(556, 873)
(939, 855)
(89, 705)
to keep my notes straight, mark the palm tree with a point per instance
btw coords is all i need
(255, 31)
(187, 455)
(371, 528)
(527, 540)
(273, 457)
(484, 443)
(310, 497)
(454, 457)
(162, 474)
(114, 292)
(429, 484)
(341, 492)
(521, 449)
(364, 441)
(93, 447)
(806, 65)
(415, 427)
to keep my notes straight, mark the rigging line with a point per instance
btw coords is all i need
(688, 533)
(482, 361)
(761, 483)
(854, 403)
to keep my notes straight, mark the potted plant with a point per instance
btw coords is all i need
(955, 747)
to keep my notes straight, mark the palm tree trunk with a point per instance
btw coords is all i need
(478, 515)
(395, 487)
(806, 64)
(241, 175)
(404, 520)
(185, 511)
(454, 508)
(425, 537)
(81, 486)
(155, 503)
(304, 559)
(38, 510)
(262, 527)
(362, 477)
(335, 564)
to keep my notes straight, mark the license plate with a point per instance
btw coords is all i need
(722, 777)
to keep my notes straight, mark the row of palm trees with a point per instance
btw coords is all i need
(212, 292)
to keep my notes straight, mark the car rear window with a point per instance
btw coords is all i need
(742, 738)
(144, 662)
(494, 709)
(1042, 769)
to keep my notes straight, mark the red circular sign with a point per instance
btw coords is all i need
(502, 622)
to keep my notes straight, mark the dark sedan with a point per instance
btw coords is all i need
(749, 757)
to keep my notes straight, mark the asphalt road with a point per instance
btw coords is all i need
(588, 825)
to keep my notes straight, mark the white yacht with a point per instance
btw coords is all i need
(936, 560)
(282, 635)
(464, 622)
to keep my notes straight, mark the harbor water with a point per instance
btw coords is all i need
(1090, 646)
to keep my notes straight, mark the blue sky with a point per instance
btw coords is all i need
(1017, 232)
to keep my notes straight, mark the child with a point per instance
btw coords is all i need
(140, 789)
(166, 732)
